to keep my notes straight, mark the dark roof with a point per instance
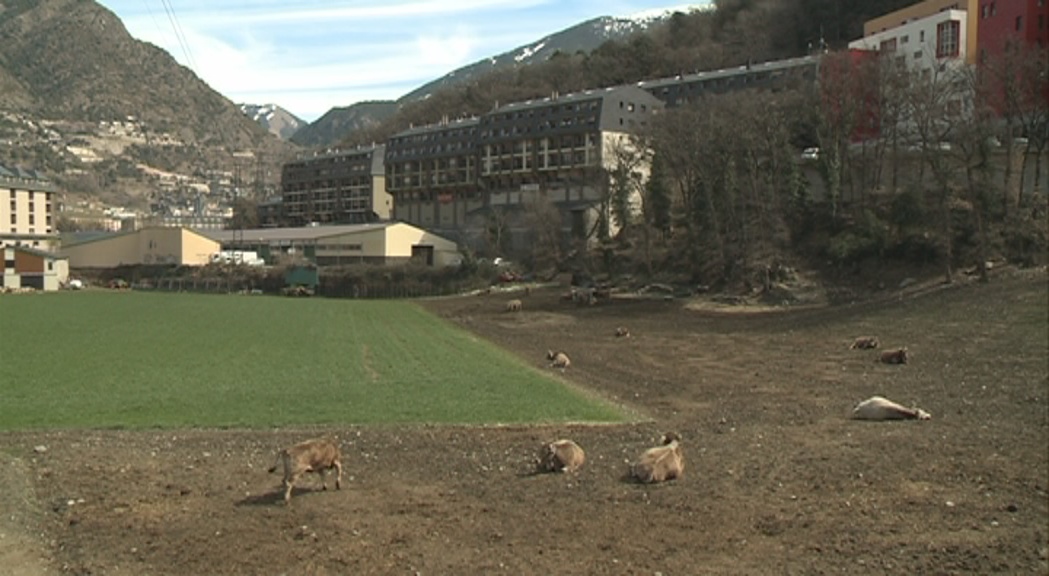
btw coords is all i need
(790, 63)
(582, 96)
(38, 252)
(456, 124)
(295, 233)
(27, 178)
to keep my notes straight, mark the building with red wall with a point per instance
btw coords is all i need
(999, 22)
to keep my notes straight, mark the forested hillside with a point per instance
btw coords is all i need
(734, 33)
(731, 202)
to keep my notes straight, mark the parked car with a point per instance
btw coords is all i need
(810, 154)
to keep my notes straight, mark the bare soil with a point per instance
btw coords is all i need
(778, 480)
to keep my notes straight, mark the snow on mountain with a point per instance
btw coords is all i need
(585, 36)
(277, 120)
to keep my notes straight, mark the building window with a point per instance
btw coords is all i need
(994, 9)
(947, 39)
(921, 36)
(904, 39)
(918, 55)
(14, 220)
(1019, 23)
(888, 45)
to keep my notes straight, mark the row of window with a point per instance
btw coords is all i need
(341, 247)
(571, 141)
(327, 207)
(32, 220)
(507, 124)
(429, 196)
(544, 111)
(434, 149)
(14, 194)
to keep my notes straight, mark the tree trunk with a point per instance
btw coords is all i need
(948, 241)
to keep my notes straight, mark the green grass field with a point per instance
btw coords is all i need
(139, 360)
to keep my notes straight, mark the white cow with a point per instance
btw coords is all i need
(878, 408)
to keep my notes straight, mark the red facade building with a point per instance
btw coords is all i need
(999, 22)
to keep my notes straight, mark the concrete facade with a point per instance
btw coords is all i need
(336, 186)
(155, 245)
(27, 208)
(456, 176)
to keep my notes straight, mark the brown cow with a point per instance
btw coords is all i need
(897, 356)
(622, 332)
(660, 463)
(878, 408)
(318, 455)
(513, 306)
(560, 456)
(558, 359)
(865, 343)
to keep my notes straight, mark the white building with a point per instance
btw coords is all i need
(930, 45)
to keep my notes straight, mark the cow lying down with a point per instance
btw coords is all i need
(878, 408)
(317, 455)
(560, 456)
(660, 463)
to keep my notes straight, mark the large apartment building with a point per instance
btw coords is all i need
(454, 176)
(431, 172)
(336, 186)
(774, 75)
(27, 207)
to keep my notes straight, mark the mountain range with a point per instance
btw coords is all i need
(586, 36)
(105, 114)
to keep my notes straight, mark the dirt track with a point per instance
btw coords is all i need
(777, 481)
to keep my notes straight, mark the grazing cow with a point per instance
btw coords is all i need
(878, 408)
(865, 343)
(560, 456)
(897, 356)
(513, 306)
(558, 359)
(318, 455)
(622, 332)
(660, 463)
(582, 296)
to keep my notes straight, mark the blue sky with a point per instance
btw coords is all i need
(309, 56)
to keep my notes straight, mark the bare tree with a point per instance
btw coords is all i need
(1020, 92)
(497, 230)
(544, 221)
(936, 100)
(973, 133)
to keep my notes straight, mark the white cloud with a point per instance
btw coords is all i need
(449, 51)
(312, 55)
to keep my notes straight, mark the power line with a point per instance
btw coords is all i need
(179, 35)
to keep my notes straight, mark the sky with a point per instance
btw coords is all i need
(308, 56)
